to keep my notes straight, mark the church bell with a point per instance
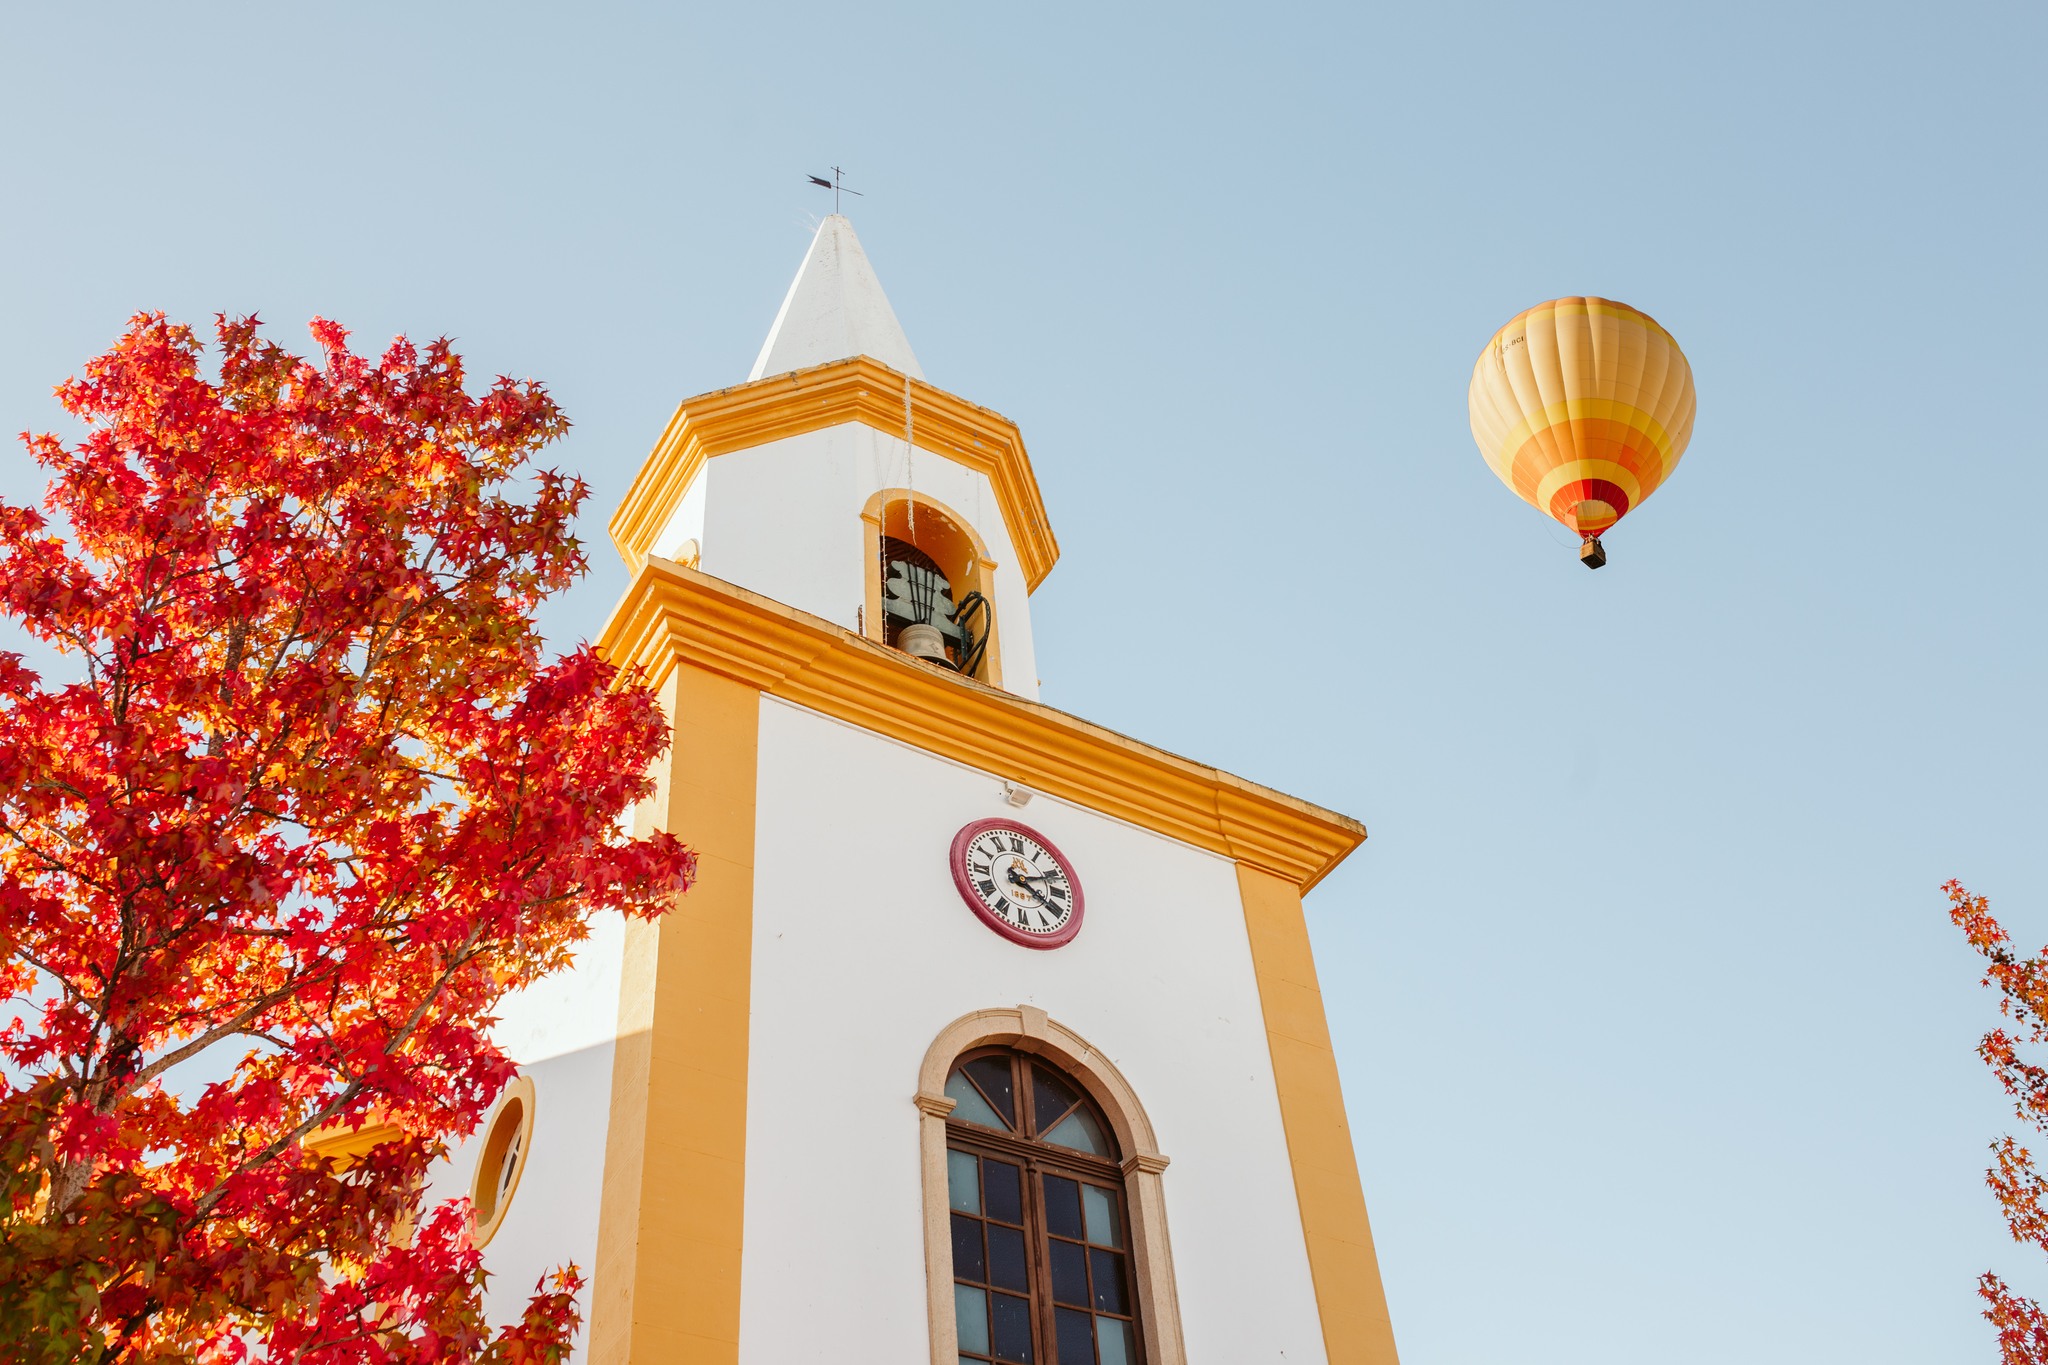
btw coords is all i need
(925, 641)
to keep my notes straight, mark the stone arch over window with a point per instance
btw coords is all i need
(1130, 1142)
(900, 518)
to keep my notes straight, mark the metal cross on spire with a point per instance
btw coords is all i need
(834, 185)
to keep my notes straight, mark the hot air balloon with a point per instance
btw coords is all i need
(1582, 406)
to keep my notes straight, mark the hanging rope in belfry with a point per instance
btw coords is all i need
(910, 459)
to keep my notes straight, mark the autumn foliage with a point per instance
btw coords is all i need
(2022, 984)
(304, 800)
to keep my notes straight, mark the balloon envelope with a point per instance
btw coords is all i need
(1582, 406)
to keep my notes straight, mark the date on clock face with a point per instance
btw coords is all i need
(1017, 882)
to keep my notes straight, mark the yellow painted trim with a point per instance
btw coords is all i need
(675, 1152)
(519, 1092)
(858, 390)
(677, 619)
(1353, 1304)
(977, 575)
(348, 1145)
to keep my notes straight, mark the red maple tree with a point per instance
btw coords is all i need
(315, 802)
(2022, 984)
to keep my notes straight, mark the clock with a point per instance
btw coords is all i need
(1017, 882)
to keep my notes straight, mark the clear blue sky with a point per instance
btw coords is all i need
(1656, 1040)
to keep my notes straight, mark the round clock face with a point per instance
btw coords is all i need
(1020, 885)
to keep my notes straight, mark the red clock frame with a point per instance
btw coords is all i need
(967, 835)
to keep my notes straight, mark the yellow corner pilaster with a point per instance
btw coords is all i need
(667, 1281)
(1342, 1263)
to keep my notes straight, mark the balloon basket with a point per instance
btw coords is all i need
(1592, 553)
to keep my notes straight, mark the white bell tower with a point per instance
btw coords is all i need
(986, 1036)
(835, 444)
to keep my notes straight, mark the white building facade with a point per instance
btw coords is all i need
(986, 1034)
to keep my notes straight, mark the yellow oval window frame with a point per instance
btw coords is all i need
(511, 1117)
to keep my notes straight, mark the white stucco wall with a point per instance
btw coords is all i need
(569, 1010)
(685, 524)
(552, 1219)
(863, 951)
(784, 520)
(560, 1030)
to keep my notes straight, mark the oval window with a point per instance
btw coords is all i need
(508, 1135)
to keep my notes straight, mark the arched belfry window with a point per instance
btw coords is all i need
(930, 585)
(1040, 1218)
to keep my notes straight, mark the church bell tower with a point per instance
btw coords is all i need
(987, 1034)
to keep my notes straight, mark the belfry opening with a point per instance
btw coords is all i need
(930, 585)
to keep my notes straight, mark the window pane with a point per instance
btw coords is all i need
(970, 1317)
(971, 1107)
(1105, 1224)
(1077, 1344)
(1062, 1207)
(967, 1263)
(1109, 1280)
(1005, 1191)
(1012, 1327)
(962, 1186)
(1050, 1097)
(1069, 1272)
(992, 1074)
(1080, 1131)
(1113, 1339)
(1006, 1265)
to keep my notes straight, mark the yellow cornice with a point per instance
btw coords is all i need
(674, 616)
(348, 1145)
(858, 390)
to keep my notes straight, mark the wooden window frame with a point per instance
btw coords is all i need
(1028, 1030)
(1026, 1148)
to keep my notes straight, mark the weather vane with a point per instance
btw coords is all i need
(834, 185)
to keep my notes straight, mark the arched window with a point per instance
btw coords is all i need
(1040, 1219)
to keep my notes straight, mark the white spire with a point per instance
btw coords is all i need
(835, 309)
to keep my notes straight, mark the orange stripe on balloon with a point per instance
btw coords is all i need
(1585, 439)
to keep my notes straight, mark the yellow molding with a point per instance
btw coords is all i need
(348, 1145)
(1345, 1269)
(673, 617)
(858, 390)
